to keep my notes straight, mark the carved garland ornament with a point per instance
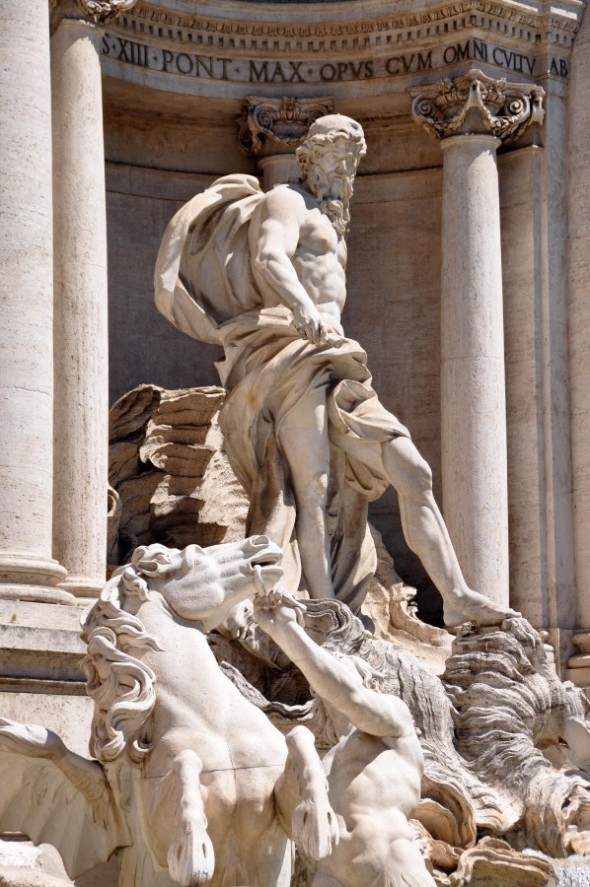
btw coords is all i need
(277, 126)
(476, 103)
(105, 10)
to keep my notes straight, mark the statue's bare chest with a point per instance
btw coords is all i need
(317, 236)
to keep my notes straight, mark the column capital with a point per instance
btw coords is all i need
(477, 104)
(102, 11)
(277, 126)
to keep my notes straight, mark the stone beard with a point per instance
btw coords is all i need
(333, 196)
(337, 212)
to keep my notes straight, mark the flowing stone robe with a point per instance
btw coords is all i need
(205, 287)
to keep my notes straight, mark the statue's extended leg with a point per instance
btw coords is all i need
(303, 439)
(427, 535)
(191, 860)
(302, 797)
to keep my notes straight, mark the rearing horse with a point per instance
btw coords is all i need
(194, 785)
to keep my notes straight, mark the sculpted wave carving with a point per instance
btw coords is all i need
(506, 745)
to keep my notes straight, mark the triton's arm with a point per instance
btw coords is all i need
(378, 714)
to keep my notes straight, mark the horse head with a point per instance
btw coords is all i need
(203, 584)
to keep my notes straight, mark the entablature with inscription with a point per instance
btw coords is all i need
(351, 47)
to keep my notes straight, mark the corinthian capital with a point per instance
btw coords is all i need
(105, 10)
(476, 103)
(277, 126)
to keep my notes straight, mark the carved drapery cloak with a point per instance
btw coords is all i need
(205, 287)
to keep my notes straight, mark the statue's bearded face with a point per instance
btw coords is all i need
(331, 170)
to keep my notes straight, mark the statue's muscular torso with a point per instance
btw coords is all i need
(290, 227)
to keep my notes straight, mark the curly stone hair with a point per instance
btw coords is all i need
(326, 131)
(119, 683)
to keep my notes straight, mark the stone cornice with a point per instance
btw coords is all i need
(253, 47)
(265, 31)
(477, 104)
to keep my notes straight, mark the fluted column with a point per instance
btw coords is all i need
(81, 296)
(471, 115)
(27, 568)
(271, 130)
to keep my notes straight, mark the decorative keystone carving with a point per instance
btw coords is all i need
(476, 103)
(277, 126)
(105, 10)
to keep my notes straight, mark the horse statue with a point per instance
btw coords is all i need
(190, 782)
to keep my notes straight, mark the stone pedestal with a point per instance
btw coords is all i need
(472, 115)
(81, 331)
(27, 568)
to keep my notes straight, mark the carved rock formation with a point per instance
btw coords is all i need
(505, 743)
(172, 483)
(492, 732)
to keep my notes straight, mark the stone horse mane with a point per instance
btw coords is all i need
(119, 683)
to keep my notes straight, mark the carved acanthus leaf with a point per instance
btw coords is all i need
(105, 10)
(277, 126)
(476, 103)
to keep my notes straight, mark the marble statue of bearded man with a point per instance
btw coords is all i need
(263, 274)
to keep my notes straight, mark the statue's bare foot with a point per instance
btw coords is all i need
(471, 606)
(191, 860)
(315, 827)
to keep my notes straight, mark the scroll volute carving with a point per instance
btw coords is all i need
(477, 104)
(277, 126)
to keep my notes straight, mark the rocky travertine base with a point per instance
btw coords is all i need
(170, 480)
(493, 731)
(172, 483)
(495, 721)
(22, 865)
